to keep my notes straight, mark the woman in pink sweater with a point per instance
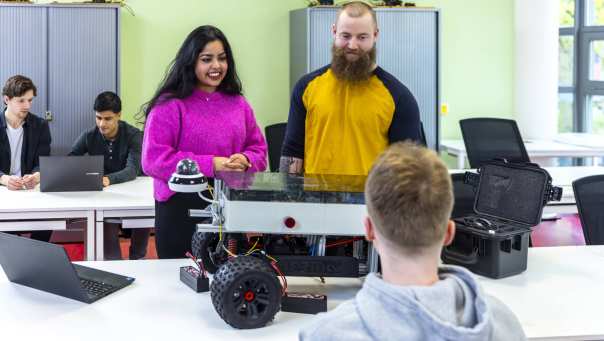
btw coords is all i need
(198, 113)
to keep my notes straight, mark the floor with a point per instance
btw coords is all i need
(75, 251)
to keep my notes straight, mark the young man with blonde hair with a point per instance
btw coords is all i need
(343, 115)
(409, 200)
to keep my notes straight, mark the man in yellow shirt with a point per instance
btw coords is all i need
(345, 114)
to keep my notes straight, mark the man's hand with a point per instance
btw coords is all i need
(238, 162)
(13, 183)
(106, 181)
(292, 165)
(31, 180)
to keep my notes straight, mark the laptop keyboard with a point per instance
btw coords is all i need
(96, 288)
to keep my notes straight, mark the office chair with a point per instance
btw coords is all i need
(492, 138)
(275, 134)
(422, 134)
(589, 195)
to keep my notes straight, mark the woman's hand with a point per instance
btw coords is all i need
(238, 162)
(218, 162)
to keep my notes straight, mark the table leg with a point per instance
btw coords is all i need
(461, 161)
(100, 243)
(90, 227)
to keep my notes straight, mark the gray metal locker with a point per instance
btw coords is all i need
(82, 59)
(408, 48)
(71, 51)
(23, 49)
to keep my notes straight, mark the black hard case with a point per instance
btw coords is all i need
(511, 197)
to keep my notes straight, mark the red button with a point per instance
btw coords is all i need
(289, 222)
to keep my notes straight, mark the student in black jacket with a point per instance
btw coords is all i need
(120, 144)
(24, 137)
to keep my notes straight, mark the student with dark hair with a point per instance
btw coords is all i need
(24, 137)
(199, 113)
(120, 145)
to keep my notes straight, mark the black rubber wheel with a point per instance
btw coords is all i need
(204, 247)
(246, 292)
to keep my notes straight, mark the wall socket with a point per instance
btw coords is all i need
(48, 116)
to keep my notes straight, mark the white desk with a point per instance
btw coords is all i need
(131, 202)
(33, 210)
(564, 177)
(535, 149)
(558, 297)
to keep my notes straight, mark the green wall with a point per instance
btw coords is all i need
(477, 60)
(258, 31)
(477, 52)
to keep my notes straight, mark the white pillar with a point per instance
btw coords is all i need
(536, 77)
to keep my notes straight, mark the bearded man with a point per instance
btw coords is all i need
(343, 115)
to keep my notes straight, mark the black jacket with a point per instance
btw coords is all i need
(122, 158)
(36, 143)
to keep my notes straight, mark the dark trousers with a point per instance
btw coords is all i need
(43, 236)
(139, 239)
(173, 227)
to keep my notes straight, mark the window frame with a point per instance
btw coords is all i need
(582, 87)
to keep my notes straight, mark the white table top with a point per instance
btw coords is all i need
(157, 306)
(535, 148)
(559, 296)
(137, 194)
(581, 139)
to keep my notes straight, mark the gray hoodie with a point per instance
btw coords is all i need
(454, 308)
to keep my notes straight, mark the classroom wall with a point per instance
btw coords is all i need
(258, 31)
(477, 60)
(477, 52)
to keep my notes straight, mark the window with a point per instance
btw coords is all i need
(595, 114)
(567, 13)
(581, 66)
(566, 56)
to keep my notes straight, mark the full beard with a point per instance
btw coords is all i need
(353, 71)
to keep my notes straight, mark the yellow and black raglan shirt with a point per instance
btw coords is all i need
(339, 127)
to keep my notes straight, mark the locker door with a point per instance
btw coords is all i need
(83, 62)
(23, 49)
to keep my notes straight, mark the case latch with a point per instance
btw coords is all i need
(552, 193)
(471, 179)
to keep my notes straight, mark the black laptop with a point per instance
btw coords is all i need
(71, 173)
(45, 266)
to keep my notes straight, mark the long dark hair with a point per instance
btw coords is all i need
(180, 80)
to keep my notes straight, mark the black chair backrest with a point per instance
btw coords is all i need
(422, 134)
(589, 195)
(275, 134)
(464, 196)
(492, 138)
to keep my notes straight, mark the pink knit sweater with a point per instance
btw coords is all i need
(213, 124)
